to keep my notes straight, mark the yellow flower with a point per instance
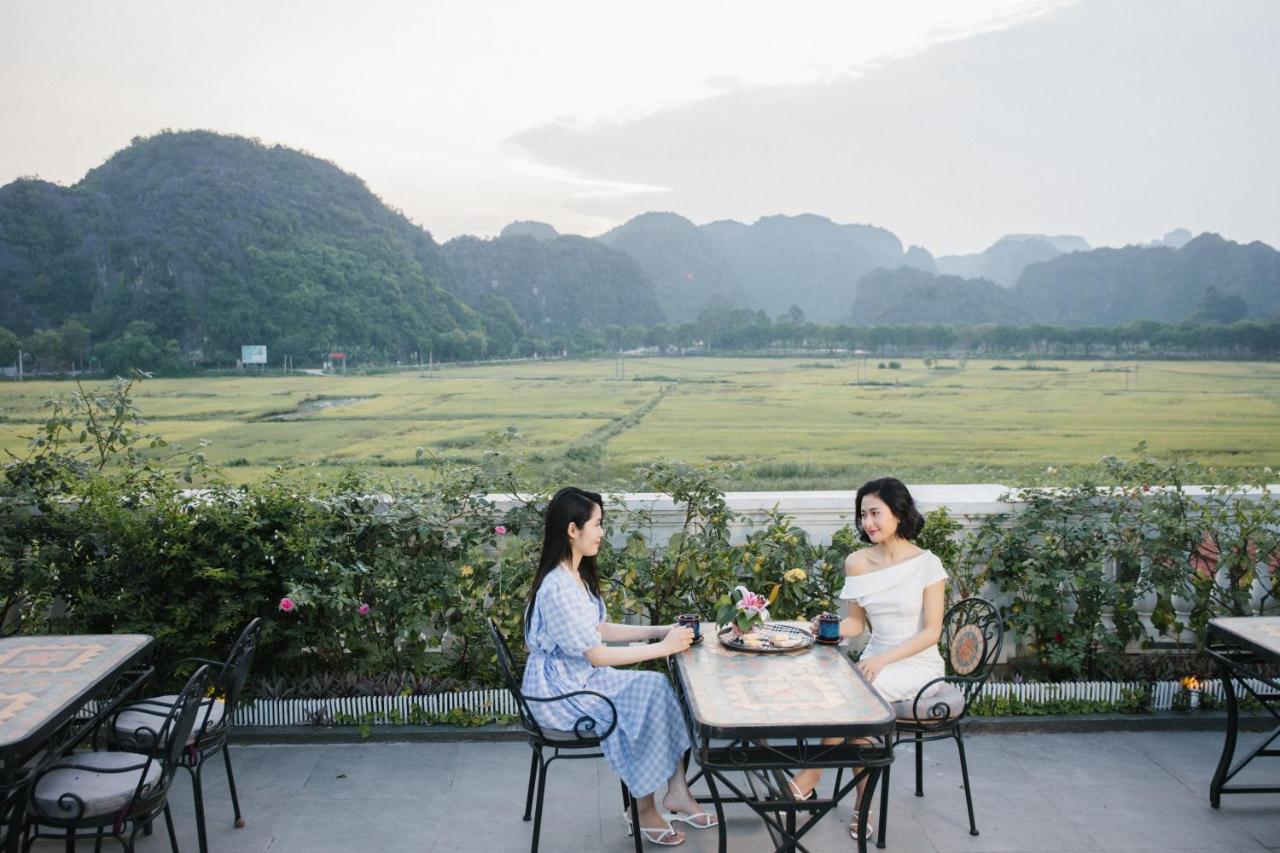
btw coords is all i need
(794, 575)
(466, 571)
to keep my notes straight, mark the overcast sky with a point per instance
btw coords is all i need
(949, 123)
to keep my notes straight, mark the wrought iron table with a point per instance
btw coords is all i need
(1243, 647)
(764, 715)
(54, 690)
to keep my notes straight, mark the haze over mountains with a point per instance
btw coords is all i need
(214, 241)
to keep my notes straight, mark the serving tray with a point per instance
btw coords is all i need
(769, 638)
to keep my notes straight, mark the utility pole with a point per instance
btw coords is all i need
(19, 364)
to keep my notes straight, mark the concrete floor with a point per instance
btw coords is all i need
(1033, 792)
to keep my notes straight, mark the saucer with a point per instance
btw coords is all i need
(823, 642)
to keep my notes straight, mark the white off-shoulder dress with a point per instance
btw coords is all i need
(893, 599)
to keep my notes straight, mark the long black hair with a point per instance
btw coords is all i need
(570, 505)
(898, 500)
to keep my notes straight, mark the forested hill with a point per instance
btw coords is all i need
(551, 285)
(216, 241)
(1208, 279)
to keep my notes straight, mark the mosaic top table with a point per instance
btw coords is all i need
(1243, 647)
(44, 683)
(763, 715)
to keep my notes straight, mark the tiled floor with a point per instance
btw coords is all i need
(1033, 792)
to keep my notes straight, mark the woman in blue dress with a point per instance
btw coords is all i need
(566, 632)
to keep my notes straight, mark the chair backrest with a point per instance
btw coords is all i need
(231, 680)
(236, 672)
(507, 669)
(172, 738)
(972, 634)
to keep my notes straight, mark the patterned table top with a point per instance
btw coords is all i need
(1260, 633)
(814, 692)
(44, 679)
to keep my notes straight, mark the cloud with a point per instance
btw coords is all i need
(1113, 120)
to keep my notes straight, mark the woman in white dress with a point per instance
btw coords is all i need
(899, 591)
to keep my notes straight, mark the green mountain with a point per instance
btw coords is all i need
(1115, 286)
(553, 286)
(807, 261)
(1004, 260)
(217, 241)
(906, 296)
(1208, 279)
(688, 272)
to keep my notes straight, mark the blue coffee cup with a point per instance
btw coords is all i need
(691, 621)
(829, 628)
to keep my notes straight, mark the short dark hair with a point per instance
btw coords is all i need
(899, 501)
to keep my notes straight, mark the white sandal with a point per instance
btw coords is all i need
(692, 819)
(868, 831)
(661, 838)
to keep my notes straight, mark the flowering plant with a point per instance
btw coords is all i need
(743, 609)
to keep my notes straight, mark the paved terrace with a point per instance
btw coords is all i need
(1034, 793)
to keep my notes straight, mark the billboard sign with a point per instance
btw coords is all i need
(253, 354)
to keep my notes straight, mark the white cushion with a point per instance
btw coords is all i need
(139, 724)
(943, 694)
(101, 793)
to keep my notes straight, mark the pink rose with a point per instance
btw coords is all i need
(364, 610)
(501, 530)
(287, 605)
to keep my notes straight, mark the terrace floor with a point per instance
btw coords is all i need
(1034, 793)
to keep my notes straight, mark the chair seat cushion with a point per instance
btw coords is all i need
(103, 793)
(946, 698)
(138, 725)
(563, 737)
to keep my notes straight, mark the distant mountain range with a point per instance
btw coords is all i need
(214, 241)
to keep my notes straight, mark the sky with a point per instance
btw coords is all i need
(950, 124)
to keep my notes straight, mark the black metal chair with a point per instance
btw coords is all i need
(84, 794)
(213, 723)
(972, 634)
(583, 741)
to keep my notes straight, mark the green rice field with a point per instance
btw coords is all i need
(790, 423)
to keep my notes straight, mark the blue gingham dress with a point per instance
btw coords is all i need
(650, 737)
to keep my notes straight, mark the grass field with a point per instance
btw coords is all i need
(791, 423)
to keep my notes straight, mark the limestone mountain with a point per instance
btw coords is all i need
(218, 241)
(1004, 260)
(688, 271)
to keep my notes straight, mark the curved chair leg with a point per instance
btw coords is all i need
(919, 764)
(533, 778)
(537, 813)
(231, 783)
(168, 822)
(884, 807)
(964, 775)
(197, 793)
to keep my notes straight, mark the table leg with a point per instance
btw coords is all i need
(715, 798)
(1233, 732)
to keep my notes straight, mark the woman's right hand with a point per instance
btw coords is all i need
(678, 639)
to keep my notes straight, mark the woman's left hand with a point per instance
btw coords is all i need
(870, 667)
